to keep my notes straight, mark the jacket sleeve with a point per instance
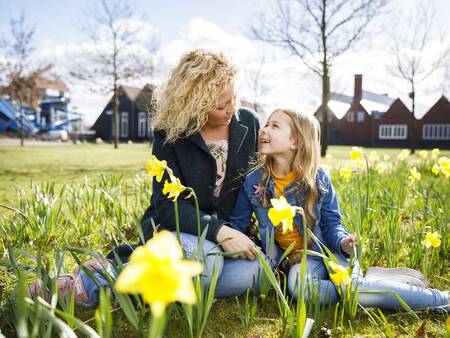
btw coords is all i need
(330, 218)
(186, 207)
(242, 211)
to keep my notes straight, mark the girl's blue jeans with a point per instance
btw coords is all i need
(235, 276)
(318, 279)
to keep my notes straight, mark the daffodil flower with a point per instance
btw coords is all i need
(403, 155)
(432, 239)
(173, 188)
(346, 172)
(356, 154)
(341, 275)
(414, 175)
(380, 167)
(282, 212)
(157, 272)
(436, 169)
(423, 154)
(156, 168)
(435, 153)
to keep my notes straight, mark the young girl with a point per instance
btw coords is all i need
(289, 167)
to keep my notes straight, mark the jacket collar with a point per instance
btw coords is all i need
(235, 139)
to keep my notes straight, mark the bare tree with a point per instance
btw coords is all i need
(19, 72)
(414, 59)
(258, 89)
(114, 52)
(317, 31)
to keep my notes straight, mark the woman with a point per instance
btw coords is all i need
(209, 146)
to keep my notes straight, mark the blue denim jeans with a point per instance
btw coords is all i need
(235, 275)
(318, 278)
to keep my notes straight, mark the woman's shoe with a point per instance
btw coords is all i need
(67, 284)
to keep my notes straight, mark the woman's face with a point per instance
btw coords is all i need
(276, 138)
(225, 109)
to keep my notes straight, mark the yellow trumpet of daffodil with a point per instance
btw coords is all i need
(423, 154)
(156, 168)
(341, 275)
(432, 239)
(374, 157)
(356, 154)
(414, 175)
(157, 272)
(436, 169)
(403, 155)
(282, 212)
(435, 153)
(346, 172)
(173, 188)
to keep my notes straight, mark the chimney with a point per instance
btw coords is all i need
(357, 96)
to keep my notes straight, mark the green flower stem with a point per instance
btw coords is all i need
(177, 220)
(197, 212)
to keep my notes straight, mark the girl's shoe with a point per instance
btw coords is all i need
(402, 275)
(67, 284)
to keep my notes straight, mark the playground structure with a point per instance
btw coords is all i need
(52, 115)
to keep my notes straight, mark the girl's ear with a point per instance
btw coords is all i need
(294, 143)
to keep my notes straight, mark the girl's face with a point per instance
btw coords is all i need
(277, 138)
(225, 109)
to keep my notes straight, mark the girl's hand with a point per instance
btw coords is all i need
(349, 243)
(233, 240)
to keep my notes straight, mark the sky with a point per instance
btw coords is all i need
(224, 26)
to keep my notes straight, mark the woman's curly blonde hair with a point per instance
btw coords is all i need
(191, 92)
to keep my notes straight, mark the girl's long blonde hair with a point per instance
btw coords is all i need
(305, 163)
(191, 92)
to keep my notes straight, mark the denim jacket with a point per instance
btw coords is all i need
(328, 228)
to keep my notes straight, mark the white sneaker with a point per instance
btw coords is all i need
(402, 275)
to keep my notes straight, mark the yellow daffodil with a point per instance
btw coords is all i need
(403, 155)
(435, 153)
(436, 169)
(448, 325)
(432, 239)
(444, 162)
(356, 154)
(156, 167)
(282, 212)
(423, 154)
(328, 156)
(414, 175)
(157, 272)
(386, 158)
(346, 172)
(173, 188)
(341, 275)
(380, 167)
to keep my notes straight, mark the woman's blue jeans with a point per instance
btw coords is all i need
(318, 279)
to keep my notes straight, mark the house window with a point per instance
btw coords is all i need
(350, 117)
(142, 124)
(124, 124)
(393, 131)
(149, 124)
(436, 132)
(360, 116)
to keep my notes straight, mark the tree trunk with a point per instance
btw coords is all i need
(325, 99)
(413, 131)
(116, 116)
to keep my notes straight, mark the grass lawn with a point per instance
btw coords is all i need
(94, 228)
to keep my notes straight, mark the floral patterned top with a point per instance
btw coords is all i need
(219, 150)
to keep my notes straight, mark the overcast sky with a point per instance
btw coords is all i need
(224, 25)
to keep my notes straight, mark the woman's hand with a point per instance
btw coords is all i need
(348, 244)
(233, 240)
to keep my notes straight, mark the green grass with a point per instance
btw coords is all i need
(61, 164)
(102, 192)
